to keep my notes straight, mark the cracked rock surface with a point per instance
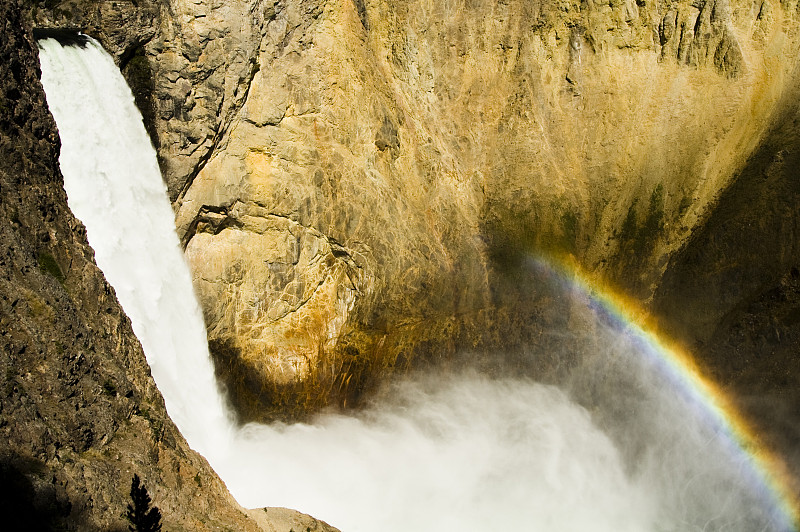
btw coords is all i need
(79, 411)
(381, 166)
(358, 183)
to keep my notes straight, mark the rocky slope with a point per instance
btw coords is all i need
(79, 412)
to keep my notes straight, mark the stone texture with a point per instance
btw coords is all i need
(358, 185)
(276, 519)
(122, 25)
(377, 168)
(731, 293)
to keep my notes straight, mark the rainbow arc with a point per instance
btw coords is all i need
(766, 471)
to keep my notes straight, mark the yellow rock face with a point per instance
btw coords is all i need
(352, 176)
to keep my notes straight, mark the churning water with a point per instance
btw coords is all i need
(433, 452)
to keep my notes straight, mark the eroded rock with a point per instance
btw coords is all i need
(436, 145)
(359, 183)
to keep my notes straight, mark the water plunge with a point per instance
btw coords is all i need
(115, 188)
(433, 452)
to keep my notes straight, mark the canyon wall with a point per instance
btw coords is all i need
(733, 291)
(358, 184)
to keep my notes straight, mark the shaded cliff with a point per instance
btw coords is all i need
(733, 292)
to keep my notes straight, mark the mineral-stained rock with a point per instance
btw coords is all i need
(359, 183)
(422, 149)
(733, 292)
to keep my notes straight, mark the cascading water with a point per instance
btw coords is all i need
(114, 187)
(435, 452)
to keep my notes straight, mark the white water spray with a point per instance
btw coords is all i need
(438, 453)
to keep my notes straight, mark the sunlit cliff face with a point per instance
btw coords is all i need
(379, 170)
(328, 254)
(357, 184)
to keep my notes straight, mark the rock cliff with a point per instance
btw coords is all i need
(358, 183)
(732, 292)
(79, 411)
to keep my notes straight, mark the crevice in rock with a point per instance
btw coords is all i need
(135, 67)
(210, 219)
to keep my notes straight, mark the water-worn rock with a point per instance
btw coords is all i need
(358, 183)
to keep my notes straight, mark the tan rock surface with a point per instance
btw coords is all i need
(353, 180)
(357, 183)
(276, 519)
(384, 154)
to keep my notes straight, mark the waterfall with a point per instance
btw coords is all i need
(436, 452)
(114, 187)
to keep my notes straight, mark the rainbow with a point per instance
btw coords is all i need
(766, 471)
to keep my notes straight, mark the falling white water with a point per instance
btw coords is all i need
(114, 187)
(433, 453)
